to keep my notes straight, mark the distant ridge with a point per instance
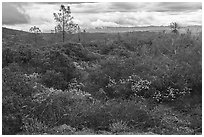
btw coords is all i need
(150, 26)
(110, 29)
(141, 28)
(9, 30)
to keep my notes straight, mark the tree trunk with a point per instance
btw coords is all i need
(79, 37)
(63, 26)
(35, 38)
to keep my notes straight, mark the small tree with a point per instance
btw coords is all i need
(65, 21)
(174, 27)
(35, 30)
(52, 31)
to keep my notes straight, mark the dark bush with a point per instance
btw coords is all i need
(58, 69)
(16, 92)
(54, 79)
(15, 81)
(11, 116)
(7, 56)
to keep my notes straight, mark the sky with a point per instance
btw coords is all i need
(23, 15)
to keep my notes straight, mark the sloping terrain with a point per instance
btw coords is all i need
(129, 83)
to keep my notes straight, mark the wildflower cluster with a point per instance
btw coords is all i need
(79, 65)
(186, 90)
(139, 84)
(77, 88)
(157, 96)
(133, 83)
(46, 93)
(33, 79)
(144, 88)
(32, 76)
(74, 92)
(112, 82)
(171, 93)
(31, 125)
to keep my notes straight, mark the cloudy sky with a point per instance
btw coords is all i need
(90, 15)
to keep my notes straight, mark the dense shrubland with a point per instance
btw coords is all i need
(148, 83)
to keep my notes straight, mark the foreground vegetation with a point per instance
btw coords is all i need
(130, 83)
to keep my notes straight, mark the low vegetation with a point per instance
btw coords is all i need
(140, 83)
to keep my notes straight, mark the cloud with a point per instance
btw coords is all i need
(142, 18)
(41, 13)
(177, 6)
(136, 7)
(115, 14)
(13, 13)
(136, 14)
(89, 8)
(122, 6)
(100, 23)
(59, 3)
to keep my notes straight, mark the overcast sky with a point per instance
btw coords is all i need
(90, 15)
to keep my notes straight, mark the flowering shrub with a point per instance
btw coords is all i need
(53, 104)
(169, 121)
(16, 94)
(33, 126)
(134, 85)
(15, 81)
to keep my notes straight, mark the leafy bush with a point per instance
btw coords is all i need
(58, 70)
(54, 79)
(169, 67)
(53, 104)
(33, 126)
(78, 109)
(170, 122)
(11, 116)
(16, 94)
(7, 56)
(15, 81)
(119, 126)
(134, 112)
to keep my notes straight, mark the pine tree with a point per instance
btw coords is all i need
(65, 21)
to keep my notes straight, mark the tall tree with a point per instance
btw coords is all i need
(35, 30)
(65, 21)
